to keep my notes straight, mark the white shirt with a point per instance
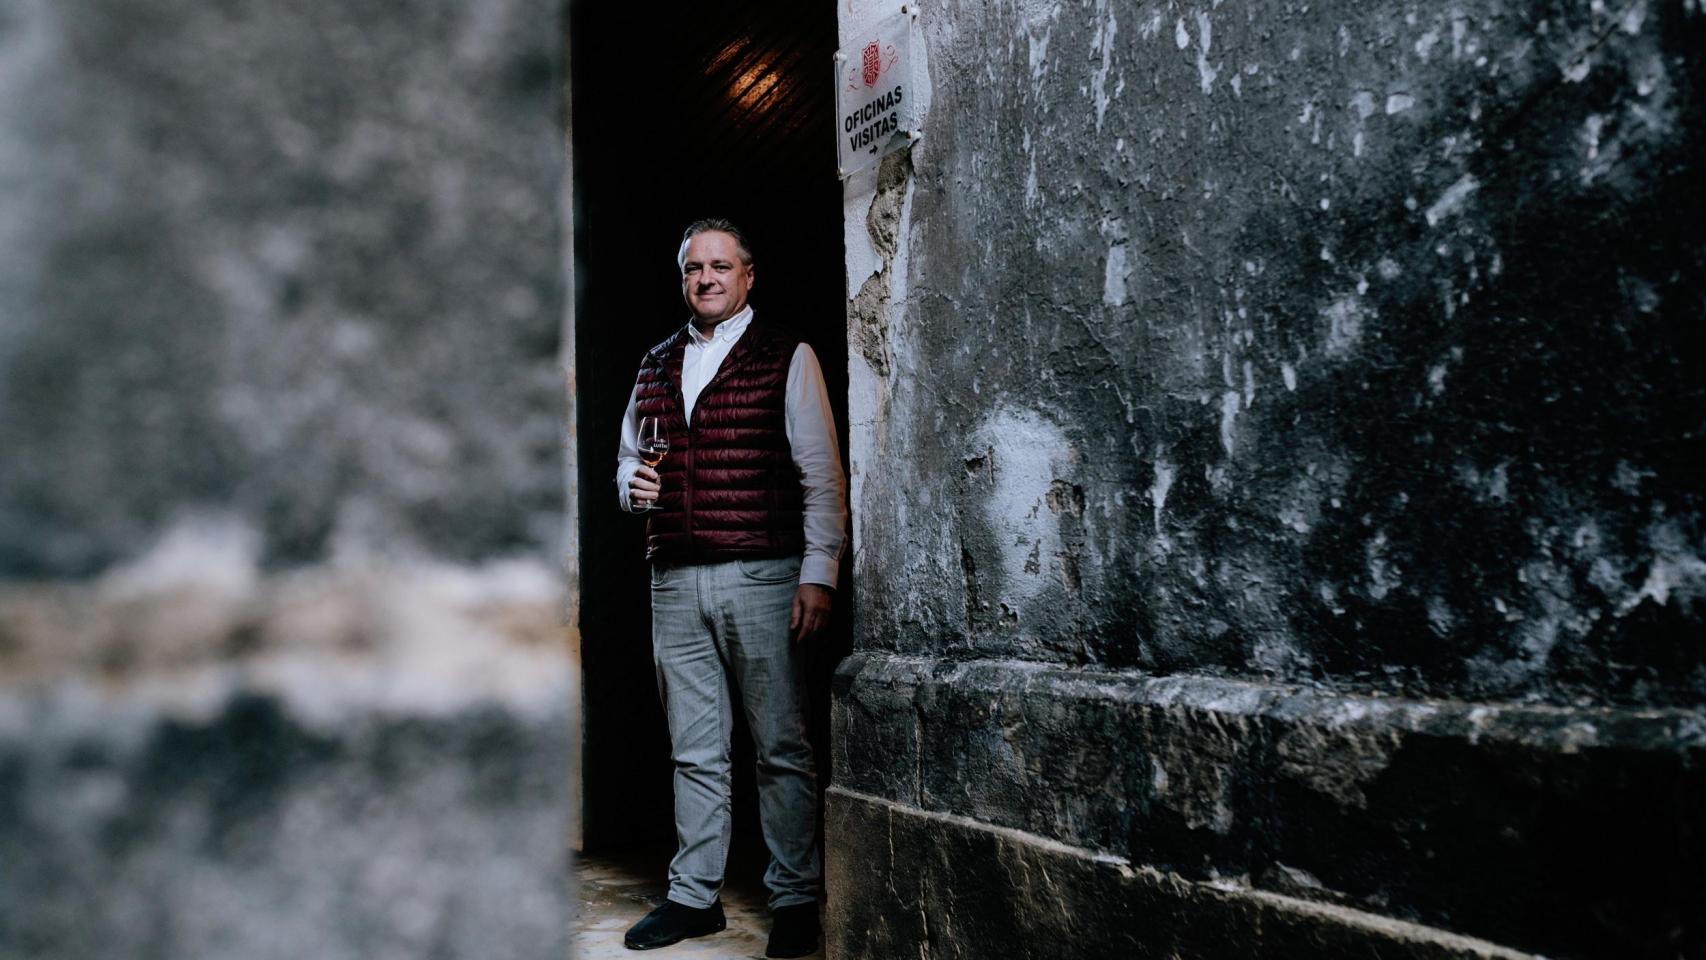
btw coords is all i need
(705, 355)
(811, 439)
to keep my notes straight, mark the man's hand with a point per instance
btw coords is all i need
(812, 602)
(643, 487)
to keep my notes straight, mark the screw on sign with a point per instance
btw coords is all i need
(873, 63)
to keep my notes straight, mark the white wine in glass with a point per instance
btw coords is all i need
(654, 444)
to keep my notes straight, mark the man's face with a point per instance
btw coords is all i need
(714, 281)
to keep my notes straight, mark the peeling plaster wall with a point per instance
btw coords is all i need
(1355, 344)
(1343, 350)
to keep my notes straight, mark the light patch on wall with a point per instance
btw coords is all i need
(1382, 574)
(1030, 453)
(349, 637)
(1039, 28)
(1452, 199)
(1652, 77)
(1164, 474)
(1344, 324)
(1634, 16)
(1436, 379)
(1294, 517)
(1103, 44)
(1627, 478)
(1492, 486)
(1677, 569)
(1425, 45)
(1114, 277)
(1362, 102)
(1498, 483)
(1591, 129)
(1205, 41)
(1230, 402)
(207, 551)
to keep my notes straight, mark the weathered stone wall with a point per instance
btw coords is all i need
(294, 262)
(282, 669)
(1277, 464)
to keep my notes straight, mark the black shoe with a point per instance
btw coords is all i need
(673, 923)
(795, 932)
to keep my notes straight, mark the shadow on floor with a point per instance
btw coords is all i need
(616, 890)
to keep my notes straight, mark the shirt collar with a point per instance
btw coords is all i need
(724, 332)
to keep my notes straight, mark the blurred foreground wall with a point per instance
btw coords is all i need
(1277, 457)
(281, 670)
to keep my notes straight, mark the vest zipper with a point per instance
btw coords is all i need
(687, 482)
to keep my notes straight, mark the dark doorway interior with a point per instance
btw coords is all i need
(676, 115)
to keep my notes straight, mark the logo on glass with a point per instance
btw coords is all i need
(873, 61)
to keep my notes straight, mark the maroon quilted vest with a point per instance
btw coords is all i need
(730, 487)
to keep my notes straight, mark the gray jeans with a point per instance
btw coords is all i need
(719, 631)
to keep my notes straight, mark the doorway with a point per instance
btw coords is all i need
(724, 111)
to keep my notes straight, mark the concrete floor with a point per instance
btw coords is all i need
(615, 892)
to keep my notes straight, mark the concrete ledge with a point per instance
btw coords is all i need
(1572, 832)
(908, 882)
(357, 761)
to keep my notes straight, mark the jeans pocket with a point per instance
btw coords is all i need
(660, 573)
(770, 569)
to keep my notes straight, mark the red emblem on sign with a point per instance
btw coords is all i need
(873, 64)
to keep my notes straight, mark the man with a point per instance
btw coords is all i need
(746, 524)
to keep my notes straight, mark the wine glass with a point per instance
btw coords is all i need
(654, 443)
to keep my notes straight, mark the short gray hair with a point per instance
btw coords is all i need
(742, 246)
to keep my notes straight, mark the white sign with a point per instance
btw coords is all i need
(874, 95)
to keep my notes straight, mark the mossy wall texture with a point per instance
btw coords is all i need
(293, 262)
(1328, 359)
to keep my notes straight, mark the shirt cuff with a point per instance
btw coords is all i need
(625, 472)
(823, 571)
